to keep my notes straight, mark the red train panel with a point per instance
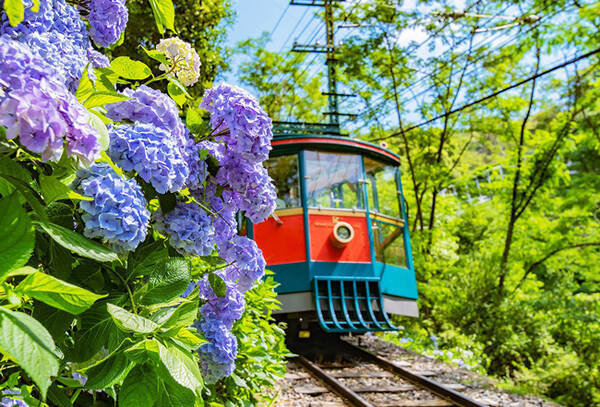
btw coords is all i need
(321, 249)
(281, 243)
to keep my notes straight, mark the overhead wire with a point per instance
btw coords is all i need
(293, 30)
(494, 94)
(279, 21)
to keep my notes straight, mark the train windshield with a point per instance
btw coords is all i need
(333, 180)
(383, 190)
(284, 171)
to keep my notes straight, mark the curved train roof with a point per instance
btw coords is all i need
(287, 144)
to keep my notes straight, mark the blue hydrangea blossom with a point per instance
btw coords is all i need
(108, 19)
(152, 153)
(248, 261)
(117, 214)
(189, 229)
(217, 357)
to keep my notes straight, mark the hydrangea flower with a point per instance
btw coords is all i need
(57, 33)
(249, 263)
(108, 19)
(151, 106)
(8, 401)
(183, 60)
(151, 152)
(256, 191)
(39, 110)
(96, 60)
(189, 228)
(227, 309)
(117, 214)
(224, 207)
(217, 358)
(239, 120)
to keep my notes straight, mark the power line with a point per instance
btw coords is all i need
(279, 21)
(294, 30)
(494, 94)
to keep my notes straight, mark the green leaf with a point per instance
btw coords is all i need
(193, 121)
(127, 68)
(16, 235)
(109, 371)
(58, 397)
(56, 321)
(217, 284)
(15, 10)
(181, 366)
(78, 243)
(177, 94)
(54, 190)
(188, 339)
(172, 393)
(146, 259)
(104, 98)
(97, 331)
(184, 315)
(25, 341)
(164, 14)
(157, 56)
(128, 322)
(36, 6)
(167, 202)
(139, 388)
(168, 281)
(57, 293)
(143, 351)
(30, 195)
(106, 159)
(85, 87)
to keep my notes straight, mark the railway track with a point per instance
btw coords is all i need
(364, 379)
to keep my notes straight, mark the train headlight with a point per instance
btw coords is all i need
(342, 234)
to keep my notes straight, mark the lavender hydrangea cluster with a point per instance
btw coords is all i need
(217, 357)
(108, 19)
(117, 214)
(248, 263)
(189, 228)
(151, 106)
(57, 34)
(152, 153)
(242, 124)
(39, 109)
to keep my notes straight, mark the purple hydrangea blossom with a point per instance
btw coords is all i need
(152, 153)
(96, 60)
(189, 228)
(248, 261)
(117, 214)
(108, 19)
(253, 185)
(39, 110)
(227, 309)
(239, 121)
(57, 34)
(7, 401)
(224, 209)
(217, 358)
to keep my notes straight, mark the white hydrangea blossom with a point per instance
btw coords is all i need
(183, 60)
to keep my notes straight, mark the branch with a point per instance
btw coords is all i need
(538, 263)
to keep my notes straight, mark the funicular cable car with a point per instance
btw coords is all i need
(338, 242)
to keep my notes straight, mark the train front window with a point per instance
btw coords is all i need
(284, 171)
(333, 180)
(389, 243)
(383, 191)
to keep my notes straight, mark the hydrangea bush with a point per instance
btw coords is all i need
(122, 268)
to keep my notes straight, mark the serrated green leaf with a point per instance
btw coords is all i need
(30, 195)
(143, 351)
(15, 11)
(217, 284)
(172, 393)
(24, 340)
(127, 68)
(146, 259)
(184, 315)
(57, 293)
(181, 366)
(189, 339)
(54, 190)
(104, 98)
(157, 56)
(16, 235)
(78, 243)
(109, 371)
(129, 322)
(139, 388)
(168, 281)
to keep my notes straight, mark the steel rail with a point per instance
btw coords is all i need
(334, 384)
(439, 390)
